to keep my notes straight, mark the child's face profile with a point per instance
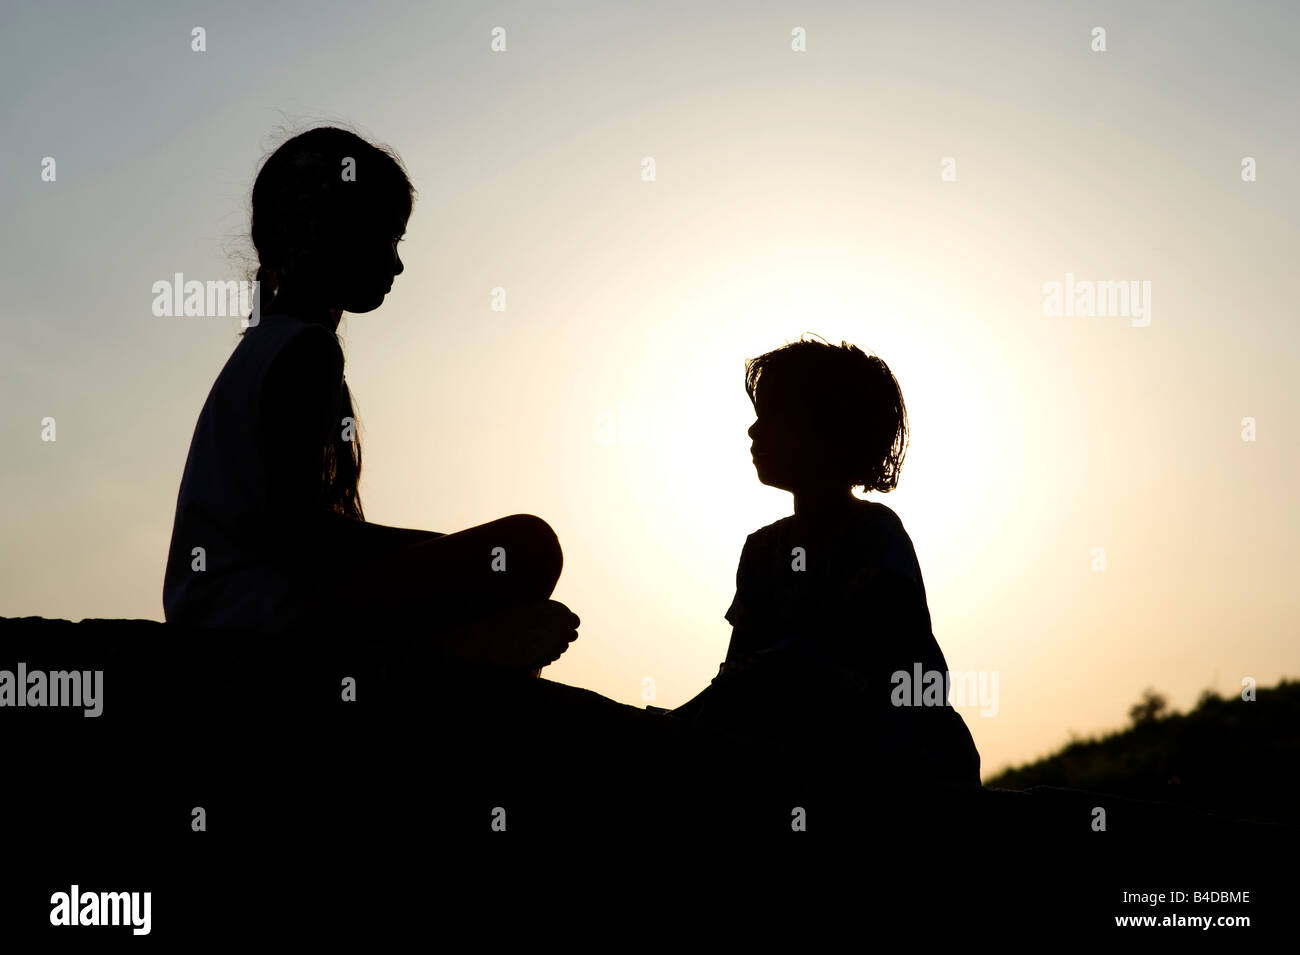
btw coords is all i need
(786, 453)
(352, 266)
(366, 262)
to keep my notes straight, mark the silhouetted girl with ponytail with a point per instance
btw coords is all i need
(269, 532)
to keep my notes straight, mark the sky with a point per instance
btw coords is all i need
(911, 181)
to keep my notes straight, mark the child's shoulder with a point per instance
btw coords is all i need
(880, 521)
(881, 512)
(869, 528)
(770, 537)
(284, 341)
(865, 516)
(882, 541)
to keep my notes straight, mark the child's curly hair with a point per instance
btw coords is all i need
(851, 399)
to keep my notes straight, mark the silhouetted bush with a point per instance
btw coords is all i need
(1227, 756)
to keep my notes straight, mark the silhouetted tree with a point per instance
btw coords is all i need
(1149, 709)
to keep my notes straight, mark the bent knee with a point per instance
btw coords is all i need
(538, 542)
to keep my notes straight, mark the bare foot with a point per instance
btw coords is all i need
(527, 637)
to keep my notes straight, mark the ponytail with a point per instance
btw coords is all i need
(341, 474)
(340, 459)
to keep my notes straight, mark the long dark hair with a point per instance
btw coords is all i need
(298, 196)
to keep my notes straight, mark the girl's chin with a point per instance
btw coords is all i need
(360, 308)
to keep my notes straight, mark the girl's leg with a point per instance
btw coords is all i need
(444, 581)
(558, 756)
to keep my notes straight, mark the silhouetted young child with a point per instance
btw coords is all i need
(830, 603)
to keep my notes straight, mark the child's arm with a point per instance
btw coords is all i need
(479, 616)
(894, 634)
(880, 617)
(367, 536)
(298, 408)
(743, 636)
(745, 661)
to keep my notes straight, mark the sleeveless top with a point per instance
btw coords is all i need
(224, 505)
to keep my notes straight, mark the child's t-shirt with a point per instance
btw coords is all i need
(840, 627)
(251, 481)
(793, 591)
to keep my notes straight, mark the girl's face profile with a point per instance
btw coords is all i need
(351, 265)
(365, 263)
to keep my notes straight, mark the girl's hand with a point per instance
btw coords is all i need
(524, 637)
(746, 661)
(737, 665)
